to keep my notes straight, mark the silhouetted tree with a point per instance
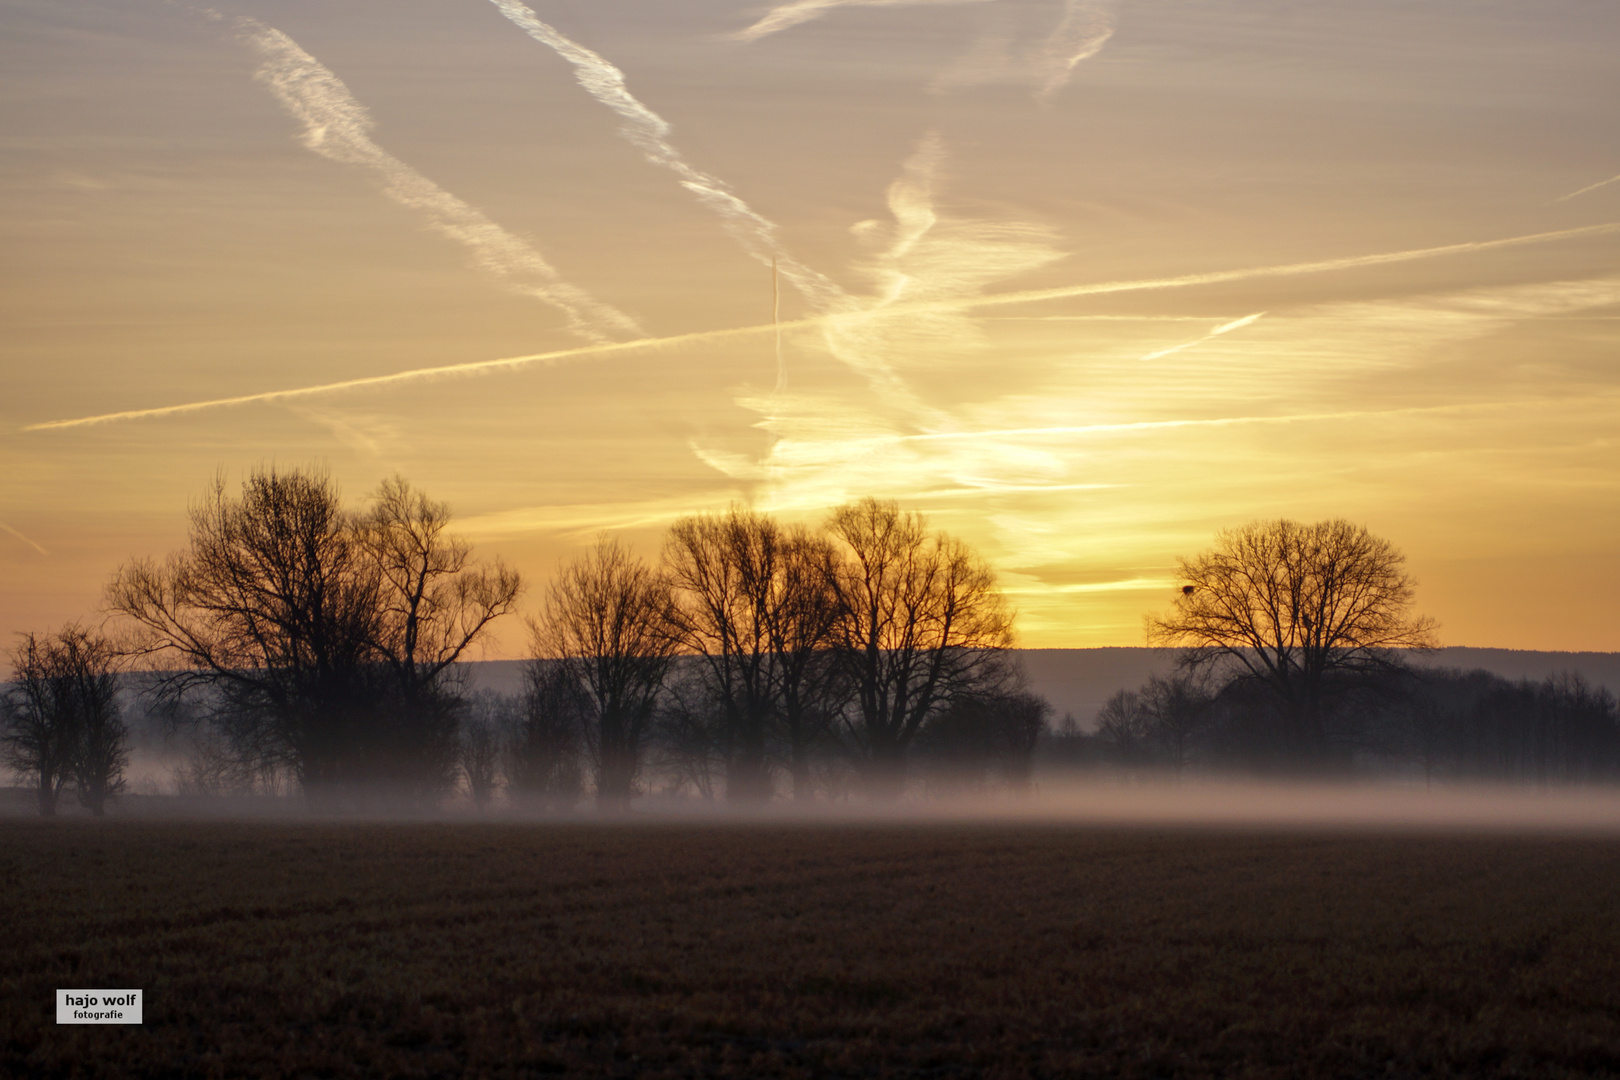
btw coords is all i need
(478, 749)
(543, 742)
(1306, 612)
(609, 621)
(979, 733)
(756, 605)
(63, 720)
(1122, 725)
(1177, 711)
(921, 622)
(692, 731)
(435, 602)
(727, 574)
(813, 685)
(318, 641)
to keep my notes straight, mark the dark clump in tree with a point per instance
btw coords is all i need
(987, 735)
(63, 720)
(1306, 616)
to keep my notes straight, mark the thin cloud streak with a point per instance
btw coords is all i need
(1030, 296)
(1588, 187)
(649, 132)
(1224, 328)
(1085, 29)
(1227, 421)
(336, 126)
(786, 16)
(23, 538)
(703, 336)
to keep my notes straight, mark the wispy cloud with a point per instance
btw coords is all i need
(649, 132)
(338, 127)
(957, 303)
(921, 265)
(23, 538)
(798, 12)
(1081, 34)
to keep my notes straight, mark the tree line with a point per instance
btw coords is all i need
(309, 644)
(304, 640)
(1297, 647)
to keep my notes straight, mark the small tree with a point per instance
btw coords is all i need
(434, 603)
(1307, 613)
(543, 740)
(63, 720)
(609, 622)
(921, 622)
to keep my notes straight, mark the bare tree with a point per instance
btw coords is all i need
(479, 747)
(812, 684)
(319, 640)
(62, 718)
(1123, 723)
(726, 571)
(921, 622)
(434, 603)
(543, 742)
(756, 605)
(1177, 711)
(1305, 612)
(609, 620)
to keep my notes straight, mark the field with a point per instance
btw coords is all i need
(941, 950)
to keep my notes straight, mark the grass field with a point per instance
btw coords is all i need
(336, 950)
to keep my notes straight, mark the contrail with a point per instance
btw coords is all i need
(1224, 421)
(23, 538)
(961, 303)
(476, 367)
(1588, 187)
(1030, 296)
(337, 126)
(802, 11)
(1086, 27)
(649, 132)
(1224, 328)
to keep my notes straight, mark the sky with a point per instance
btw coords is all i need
(1084, 281)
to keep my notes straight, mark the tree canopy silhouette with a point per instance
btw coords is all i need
(1304, 612)
(921, 624)
(320, 639)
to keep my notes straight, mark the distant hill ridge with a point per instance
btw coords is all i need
(1079, 681)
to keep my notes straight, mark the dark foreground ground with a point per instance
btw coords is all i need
(831, 950)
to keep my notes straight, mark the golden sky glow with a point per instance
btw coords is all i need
(1084, 280)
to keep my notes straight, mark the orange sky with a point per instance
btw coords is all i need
(1084, 280)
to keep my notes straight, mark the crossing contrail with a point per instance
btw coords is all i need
(338, 127)
(649, 132)
(962, 303)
